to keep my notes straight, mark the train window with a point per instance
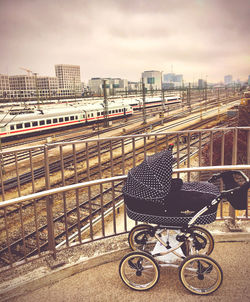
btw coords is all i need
(42, 123)
(109, 111)
(26, 125)
(54, 120)
(34, 124)
(72, 118)
(98, 113)
(66, 118)
(12, 127)
(19, 126)
(76, 117)
(88, 115)
(92, 114)
(60, 119)
(48, 122)
(102, 113)
(113, 111)
(116, 110)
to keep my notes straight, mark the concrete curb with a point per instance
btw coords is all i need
(42, 277)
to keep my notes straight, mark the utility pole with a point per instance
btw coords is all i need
(37, 92)
(163, 98)
(144, 105)
(106, 122)
(189, 97)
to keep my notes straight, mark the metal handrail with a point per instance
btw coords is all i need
(110, 179)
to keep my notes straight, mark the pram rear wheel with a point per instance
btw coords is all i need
(200, 274)
(139, 271)
(202, 242)
(141, 238)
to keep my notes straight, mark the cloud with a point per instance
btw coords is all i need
(123, 38)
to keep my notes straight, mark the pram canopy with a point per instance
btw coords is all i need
(151, 180)
(151, 195)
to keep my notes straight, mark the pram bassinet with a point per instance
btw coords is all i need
(151, 195)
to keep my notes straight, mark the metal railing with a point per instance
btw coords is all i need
(28, 170)
(98, 214)
(39, 217)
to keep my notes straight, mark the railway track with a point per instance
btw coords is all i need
(8, 159)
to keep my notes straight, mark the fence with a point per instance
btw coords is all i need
(82, 210)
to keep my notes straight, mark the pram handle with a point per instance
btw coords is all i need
(223, 174)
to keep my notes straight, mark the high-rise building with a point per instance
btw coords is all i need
(172, 80)
(152, 79)
(201, 84)
(228, 79)
(69, 77)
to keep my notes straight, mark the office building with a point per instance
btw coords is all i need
(69, 78)
(228, 79)
(152, 79)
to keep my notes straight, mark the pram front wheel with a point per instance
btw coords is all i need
(141, 238)
(202, 242)
(139, 271)
(200, 274)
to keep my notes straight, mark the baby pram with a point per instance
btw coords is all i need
(174, 207)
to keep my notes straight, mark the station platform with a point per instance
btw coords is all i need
(90, 273)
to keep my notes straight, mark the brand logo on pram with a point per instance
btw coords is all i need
(187, 212)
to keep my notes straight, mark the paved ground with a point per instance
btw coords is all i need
(102, 283)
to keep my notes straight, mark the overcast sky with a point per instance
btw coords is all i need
(122, 38)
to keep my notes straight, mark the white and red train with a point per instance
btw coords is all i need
(23, 122)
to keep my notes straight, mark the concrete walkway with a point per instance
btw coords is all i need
(101, 281)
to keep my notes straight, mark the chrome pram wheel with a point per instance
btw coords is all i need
(200, 274)
(139, 271)
(141, 238)
(202, 242)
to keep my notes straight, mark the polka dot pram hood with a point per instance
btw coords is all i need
(151, 180)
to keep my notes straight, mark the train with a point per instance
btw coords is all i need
(137, 103)
(20, 122)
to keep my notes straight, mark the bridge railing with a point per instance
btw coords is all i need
(46, 222)
(25, 171)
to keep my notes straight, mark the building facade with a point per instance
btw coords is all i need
(228, 79)
(152, 79)
(113, 85)
(69, 78)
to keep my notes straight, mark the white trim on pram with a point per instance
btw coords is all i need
(170, 221)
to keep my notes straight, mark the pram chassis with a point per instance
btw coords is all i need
(201, 266)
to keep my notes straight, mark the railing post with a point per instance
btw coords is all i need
(248, 147)
(234, 162)
(49, 206)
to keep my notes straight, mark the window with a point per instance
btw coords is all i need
(19, 126)
(12, 127)
(109, 111)
(54, 120)
(76, 117)
(98, 113)
(34, 124)
(102, 113)
(113, 111)
(42, 123)
(92, 114)
(72, 118)
(48, 122)
(26, 125)
(60, 119)
(66, 118)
